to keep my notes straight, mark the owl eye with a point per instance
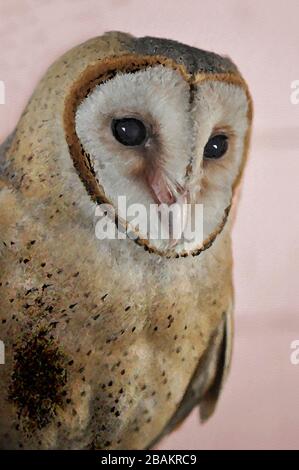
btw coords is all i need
(216, 146)
(129, 131)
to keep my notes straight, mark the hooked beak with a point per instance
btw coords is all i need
(160, 187)
(169, 193)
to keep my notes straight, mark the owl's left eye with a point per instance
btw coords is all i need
(216, 146)
(129, 131)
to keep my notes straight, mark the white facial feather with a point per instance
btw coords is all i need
(161, 97)
(218, 107)
(158, 95)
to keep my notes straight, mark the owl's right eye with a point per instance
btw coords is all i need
(129, 131)
(216, 147)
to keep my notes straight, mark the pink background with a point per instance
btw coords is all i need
(259, 407)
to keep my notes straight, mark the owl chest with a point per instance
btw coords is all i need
(129, 334)
(150, 350)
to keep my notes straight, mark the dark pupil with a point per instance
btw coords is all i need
(216, 146)
(129, 131)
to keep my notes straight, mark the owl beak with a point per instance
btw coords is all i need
(161, 188)
(167, 193)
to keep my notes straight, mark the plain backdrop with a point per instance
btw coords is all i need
(259, 407)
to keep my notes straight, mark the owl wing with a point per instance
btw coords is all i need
(209, 376)
(3, 149)
(218, 364)
(7, 193)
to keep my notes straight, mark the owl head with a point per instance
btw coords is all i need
(158, 123)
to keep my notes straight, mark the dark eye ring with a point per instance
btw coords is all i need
(216, 146)
(129, 131)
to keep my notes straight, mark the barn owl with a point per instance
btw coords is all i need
(111, 342)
